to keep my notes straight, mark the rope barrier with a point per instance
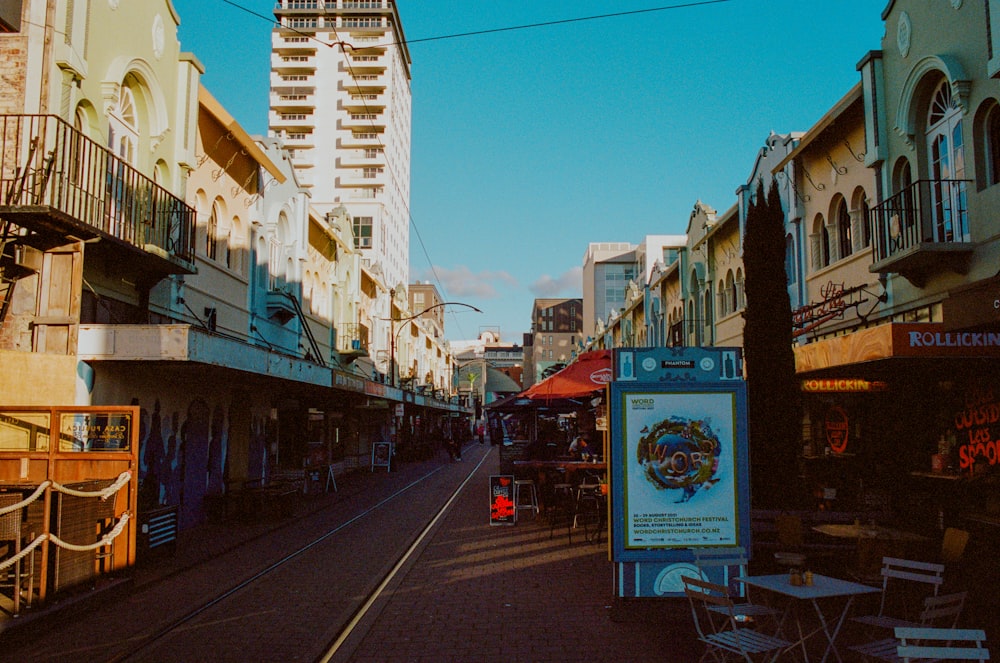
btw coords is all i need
(28, 500)
(122, 480)
(106, 540)
(104, 494)
(11, 561)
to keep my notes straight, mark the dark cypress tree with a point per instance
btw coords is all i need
(773, 400)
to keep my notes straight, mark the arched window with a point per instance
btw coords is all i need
(845, 244)
(738, 297)
(123, 131)
(212, 235)
(992, 140)
(820, 239)
(732, 296)
(863, 223)
(946, 155)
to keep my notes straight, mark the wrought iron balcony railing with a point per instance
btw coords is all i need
(352, 339)
(920, 227)
(65, 181)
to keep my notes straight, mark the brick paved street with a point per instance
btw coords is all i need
(471, 592)
(511, 593)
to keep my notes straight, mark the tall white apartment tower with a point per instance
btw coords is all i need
(344, 113)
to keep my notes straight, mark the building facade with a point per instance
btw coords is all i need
(155, 254)
(556, 337)
(607, 269)
(341, 101)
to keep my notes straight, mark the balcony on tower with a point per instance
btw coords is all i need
(361, 121)
(291, 123)
(292, 100)
(364, 82)
(365, 138)
(364, 102)
(922, 230)
(293, 64)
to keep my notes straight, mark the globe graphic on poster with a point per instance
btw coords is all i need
(679, 454)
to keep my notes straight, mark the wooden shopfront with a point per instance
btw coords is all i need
(70, 475)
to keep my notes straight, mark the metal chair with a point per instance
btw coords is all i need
(902, 581)
(708, 602)
(939, 612)
(941, 644)
(718, 561)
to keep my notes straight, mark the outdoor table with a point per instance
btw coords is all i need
(873, 543)
(823, 588)
(859, 531)
(569, 468)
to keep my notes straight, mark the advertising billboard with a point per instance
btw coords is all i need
(679, 464)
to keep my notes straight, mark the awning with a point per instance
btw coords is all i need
(589, 373)
(896, 341)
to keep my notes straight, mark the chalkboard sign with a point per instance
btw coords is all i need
(381, 455)
(502, 499)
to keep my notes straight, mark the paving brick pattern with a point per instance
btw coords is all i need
(511, 593)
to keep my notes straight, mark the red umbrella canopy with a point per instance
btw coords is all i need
(591, 371)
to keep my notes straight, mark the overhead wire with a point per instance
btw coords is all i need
(344, 46)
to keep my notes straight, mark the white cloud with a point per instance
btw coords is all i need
(567, 284)
(463, 282)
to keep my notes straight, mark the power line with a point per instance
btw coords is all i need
(564, 21)
(344, 46)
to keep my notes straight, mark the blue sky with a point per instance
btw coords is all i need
(529, 144)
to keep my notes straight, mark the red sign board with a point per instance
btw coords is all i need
(502, 499)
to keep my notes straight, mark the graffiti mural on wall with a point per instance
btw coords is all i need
(182, 455)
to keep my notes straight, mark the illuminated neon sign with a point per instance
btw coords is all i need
(842, 386)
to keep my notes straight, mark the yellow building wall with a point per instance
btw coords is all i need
(29, 378)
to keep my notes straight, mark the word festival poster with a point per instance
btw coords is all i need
(680, 469)
(502, 499)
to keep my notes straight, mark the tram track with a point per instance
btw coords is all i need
(220, 619)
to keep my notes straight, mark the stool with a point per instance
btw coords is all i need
(583, 491)
(562, 489)
(528, 487)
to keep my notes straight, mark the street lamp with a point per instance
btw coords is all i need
(395, 332)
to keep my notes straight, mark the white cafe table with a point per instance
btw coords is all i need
(823, 588)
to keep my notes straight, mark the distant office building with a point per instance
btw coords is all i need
(555, 339)
(344, 114)
(608, 267)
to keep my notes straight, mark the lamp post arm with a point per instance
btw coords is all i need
(395, 332)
